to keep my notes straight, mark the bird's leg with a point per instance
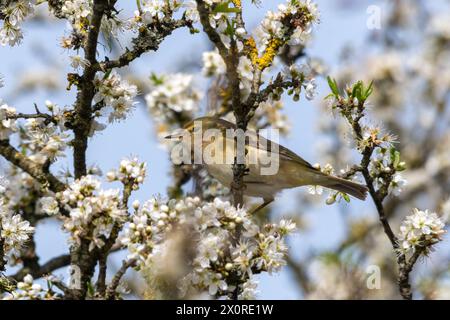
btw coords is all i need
(262, 206)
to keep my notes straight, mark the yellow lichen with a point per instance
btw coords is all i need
(252, 51)
(237, 3)
(269, 54)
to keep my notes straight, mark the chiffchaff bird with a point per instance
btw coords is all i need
(270, 167)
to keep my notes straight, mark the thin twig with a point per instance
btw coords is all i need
(33, 169)
(111, 290)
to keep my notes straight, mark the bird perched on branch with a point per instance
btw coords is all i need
(270, 167)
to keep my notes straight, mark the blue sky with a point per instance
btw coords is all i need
(135, 136)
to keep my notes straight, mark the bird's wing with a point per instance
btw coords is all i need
(269, 145)
(284, 152)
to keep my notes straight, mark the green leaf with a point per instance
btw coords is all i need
(357, 91)
(138, 5)
(333, 86)
(330, 257)
(331, 95)
(230, 28)
(91, 289)
(155, 79)
(224, 8)
(368, 91)
(401, 166)
(346, 197)
(395, 157)
(107, 74)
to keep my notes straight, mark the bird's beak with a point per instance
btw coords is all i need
(177, 135)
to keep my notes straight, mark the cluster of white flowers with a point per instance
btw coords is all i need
(77, 12)
(92, 211)
(271, 111)
(17, 189)
(381, 165)
(78, 61)
(245, 71)
(397, 184)
(7, 125)
(172, 91)
(113, 91)
(305, 75)
(169, 95)
(49, 206)
(15, 13)
(213, 64)
(28, 290)
(217, 253)
(422, 230)
(45, 141)
(14, 232)
(298, 15)
(152, 11)
(131, 172)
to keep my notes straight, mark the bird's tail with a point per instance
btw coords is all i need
(352, 188)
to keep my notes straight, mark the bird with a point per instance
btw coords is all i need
(291, 170)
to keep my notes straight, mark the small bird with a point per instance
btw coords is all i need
(291, 170)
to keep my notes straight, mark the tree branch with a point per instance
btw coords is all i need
(111, 291)
(33, 169)
(148, 39)
(47, 268)
(83, 104)
(80, 254)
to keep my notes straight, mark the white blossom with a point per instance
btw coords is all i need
(169, 95)
(7, 124)
(27, 289)
(397, 184)
(131, 172)
(49, 205)
(77, 12)
(213, 224)
(14, 232)
(274, 24)
(45, 140)
(174, 92)
(310, 89)
(78, 62)
(422, 229)
(213, 64)
(91, 210)
(15, 13)
(315, 190)
(116, 93)
(191, 12)
(151, 10)
(249, 290)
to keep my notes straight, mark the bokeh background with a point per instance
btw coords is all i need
(342, 30)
